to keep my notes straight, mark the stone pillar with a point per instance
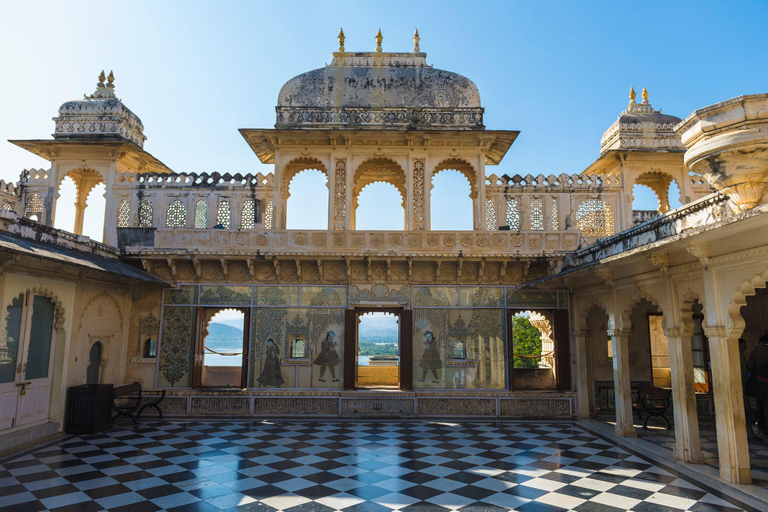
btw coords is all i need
(584, 397)
(687, 443)
(621, 382)
(731, 425)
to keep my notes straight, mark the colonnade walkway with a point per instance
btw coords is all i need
(355, 466)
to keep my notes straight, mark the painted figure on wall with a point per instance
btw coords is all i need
(328, 357)
(271, 374)
(430, 361)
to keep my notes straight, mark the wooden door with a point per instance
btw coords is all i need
(33, 404)
(406, 350)
(246, 346)
(562, 335)
(10, 370)
(350, 349)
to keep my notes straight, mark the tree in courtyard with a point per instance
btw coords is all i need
(526, 340)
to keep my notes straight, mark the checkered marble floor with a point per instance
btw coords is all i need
(344, 465)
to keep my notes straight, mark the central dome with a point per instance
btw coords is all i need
(380, 90)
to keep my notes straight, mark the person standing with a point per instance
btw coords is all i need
(757, 365)
(272, 372)
(431, 358)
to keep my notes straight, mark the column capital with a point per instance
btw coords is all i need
(673, 332)
(618, 332)
(715, 331)
(580, 333)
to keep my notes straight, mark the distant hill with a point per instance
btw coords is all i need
(223, 332)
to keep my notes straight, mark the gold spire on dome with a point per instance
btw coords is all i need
(379, 38)
(102, 77)
(632, 95)
(341, 39)
(645, 95)
(111, 80)
(416, 40)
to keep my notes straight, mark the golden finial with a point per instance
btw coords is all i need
(102, 77)
(379, 38)
(111, 79)
(632, 95)
(341, 40)
(645, 95)
(416, 40)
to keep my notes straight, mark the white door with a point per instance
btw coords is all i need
(10, 361)
(35, 390)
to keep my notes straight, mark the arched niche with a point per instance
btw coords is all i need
(75, 188)
(291, 172)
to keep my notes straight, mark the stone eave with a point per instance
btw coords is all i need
(613, 156)
(400, 256)
(106, 148)
(265, 141)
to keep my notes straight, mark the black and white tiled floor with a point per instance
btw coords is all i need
(344, 465)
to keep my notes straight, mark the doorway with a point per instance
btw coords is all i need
(26, 360)
(380, 341)
(221, 348)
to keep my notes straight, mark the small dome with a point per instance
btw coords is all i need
(99, 115)
(640, 127)
(379, 90)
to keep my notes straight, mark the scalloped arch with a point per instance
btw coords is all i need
(58, 323)
(638, 296)
(747, 288)
(100, 297)
(298, 165)
(462, 166)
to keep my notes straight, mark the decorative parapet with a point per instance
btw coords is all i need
(387, 117)
(728, 145)
(640, 216)
(379, 243)
(561, 182)
(204, 179)
(9, 196)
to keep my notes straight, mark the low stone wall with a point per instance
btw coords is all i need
(370, 404)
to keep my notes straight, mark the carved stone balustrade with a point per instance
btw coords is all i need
(728, 145)
(381, 243)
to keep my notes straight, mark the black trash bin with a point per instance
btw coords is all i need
(89, 408)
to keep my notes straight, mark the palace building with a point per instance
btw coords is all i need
(618, 298)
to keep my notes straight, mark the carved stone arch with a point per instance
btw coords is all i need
(747, 288)
(297, 166)
(659, 183)
(687, 301)
(58, 322)
(99, 300)
(584, 312)
(637, 296)
(463, 167)
(378, 170)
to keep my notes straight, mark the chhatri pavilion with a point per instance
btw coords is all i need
(619, 298)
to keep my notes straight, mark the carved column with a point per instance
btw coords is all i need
(339, 218)
(419, 205)
(729, 407)
(583, 374)
(687, 445)
(621, 382)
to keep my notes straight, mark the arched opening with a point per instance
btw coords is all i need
(307, 203)
(94, 364)
(378, 350)
(450, 202)
(379, 206)
(379, 212)
(80, 204)
(93, 216)
(652, 194)
(533, 350)
(755, 315)
(675, 196)
(223, 348)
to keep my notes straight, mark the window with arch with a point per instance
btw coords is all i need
(450, 198)
(537, 214)
(146, 214)
(307, 200)
(595, 218)
(513, 213)
(378, 196)
(176, 216)
(248, 214)
(124, 214)
(34, 207)
(223, 215)
(201, 214)
(490, 215)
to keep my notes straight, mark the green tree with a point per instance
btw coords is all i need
(526, 340)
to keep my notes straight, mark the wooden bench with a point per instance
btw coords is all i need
(654, 402)
(131, 394)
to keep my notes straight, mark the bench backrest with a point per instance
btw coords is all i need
(127, 389)
(652, 393)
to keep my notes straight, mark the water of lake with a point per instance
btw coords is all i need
(229, 347)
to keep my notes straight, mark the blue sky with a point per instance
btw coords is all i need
(195, 72)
